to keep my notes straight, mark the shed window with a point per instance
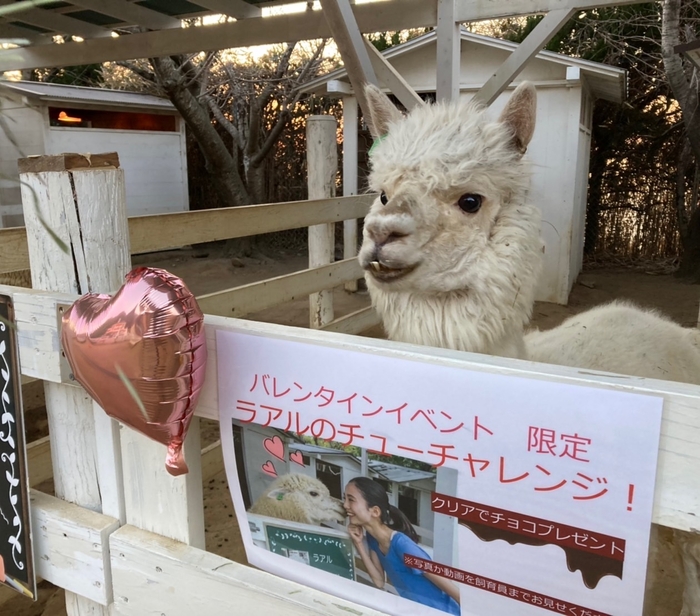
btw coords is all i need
(68, 117)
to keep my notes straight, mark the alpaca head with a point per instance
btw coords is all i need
(446, 175)
(451, 248)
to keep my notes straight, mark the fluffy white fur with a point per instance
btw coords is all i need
(442, 277)
(472, 280)
(299, 498)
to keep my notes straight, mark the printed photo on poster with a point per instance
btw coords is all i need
(343, 510)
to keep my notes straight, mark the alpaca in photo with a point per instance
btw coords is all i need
(299, 498)
(452, 253)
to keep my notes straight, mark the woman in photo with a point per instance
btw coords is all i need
(382, 534)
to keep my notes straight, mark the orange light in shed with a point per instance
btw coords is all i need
(64, 117)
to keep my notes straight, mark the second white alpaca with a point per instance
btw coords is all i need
(452, 253)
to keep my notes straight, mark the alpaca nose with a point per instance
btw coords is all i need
(381, 233)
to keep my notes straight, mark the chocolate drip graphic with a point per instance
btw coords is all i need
(592, 566)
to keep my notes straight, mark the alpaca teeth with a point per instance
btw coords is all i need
(376, 266)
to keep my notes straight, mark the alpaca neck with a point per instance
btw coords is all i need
(450, 320)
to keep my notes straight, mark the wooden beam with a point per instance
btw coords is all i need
(469, 10)
(131, 13)
(355, 322)
(71, 548)
(39, 461)
(257, 296)
(165, 231)
(233, 8)
(350, 148)
(392, 79)
(58, 23)
(351, 44)
(372, 17)
(529, 48)
(148, 568)
(449, 47)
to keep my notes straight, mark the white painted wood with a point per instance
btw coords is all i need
(257, 296)
(373, 17)
(448, 51)
(355, 322)
(322, 167)
(350, 150)
(677, 496)
(528, 49)
(86, 209)
(338, 87)
(154, 575)
(155, 500)
(71, 549)
(164, 231)
(470, 10)
(351, 44)
(37, 330)
(233, 8)
(392, 79)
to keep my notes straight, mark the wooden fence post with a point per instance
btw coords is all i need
(350, 126)
(78, 242)
(322, 163)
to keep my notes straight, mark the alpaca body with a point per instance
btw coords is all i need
(622, 338)
(452, 253)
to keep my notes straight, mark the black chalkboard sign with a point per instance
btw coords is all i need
(317, 549)
(16, 566)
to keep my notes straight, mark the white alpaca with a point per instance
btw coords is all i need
(452, 253)
(299, 498)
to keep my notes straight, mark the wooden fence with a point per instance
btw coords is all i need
(124, 537)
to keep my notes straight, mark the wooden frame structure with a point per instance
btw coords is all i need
(126, 541)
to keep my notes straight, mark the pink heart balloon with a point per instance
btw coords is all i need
(141, 354)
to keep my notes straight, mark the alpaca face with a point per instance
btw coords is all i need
(444, 174)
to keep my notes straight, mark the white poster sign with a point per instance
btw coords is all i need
(523, 496)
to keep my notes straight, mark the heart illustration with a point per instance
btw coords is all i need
(297, 457)
(141, 354)
(275, 447)
(269, 469)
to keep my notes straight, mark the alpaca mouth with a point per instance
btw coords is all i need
(383, 273)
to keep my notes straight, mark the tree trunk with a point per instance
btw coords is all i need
(220, 163)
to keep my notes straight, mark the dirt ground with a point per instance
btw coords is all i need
(204, 272)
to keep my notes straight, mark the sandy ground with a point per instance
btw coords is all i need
(651, 286)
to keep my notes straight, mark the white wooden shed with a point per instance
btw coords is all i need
(560, 150)
(146, 132)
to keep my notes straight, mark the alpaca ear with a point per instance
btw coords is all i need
(381, 111)
(519, 114)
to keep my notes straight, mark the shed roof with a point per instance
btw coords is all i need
(78, 94)
(605, 81)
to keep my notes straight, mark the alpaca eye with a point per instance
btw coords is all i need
(314, 494)
(383, 198)
(469, 203)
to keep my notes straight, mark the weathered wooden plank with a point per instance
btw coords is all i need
(14, 254)
(147, 567)
(257, 296)
(71, 547)
(164, 231)
(39, 461)
(321, 167)
(677, 496)
(355, 322)
(67, 162)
